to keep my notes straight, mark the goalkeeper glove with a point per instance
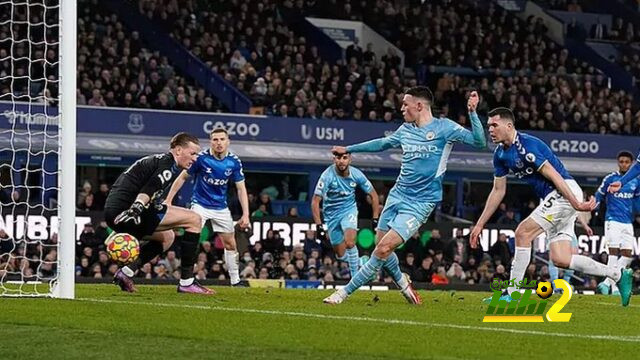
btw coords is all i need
(131, 215)
(321, 234)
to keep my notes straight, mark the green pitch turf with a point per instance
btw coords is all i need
(156, 322)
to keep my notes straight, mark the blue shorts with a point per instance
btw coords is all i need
(403, 216)
(336, 225)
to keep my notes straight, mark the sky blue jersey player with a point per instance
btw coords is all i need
(531, 160)
(213, 171)
(618, 228)
(336, 188)
(426, 143)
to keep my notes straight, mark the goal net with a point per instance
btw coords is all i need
(37, 147)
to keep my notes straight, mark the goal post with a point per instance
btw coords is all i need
(65, 287)
(38, 148)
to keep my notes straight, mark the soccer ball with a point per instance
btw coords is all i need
(544, 289)
(122, 248)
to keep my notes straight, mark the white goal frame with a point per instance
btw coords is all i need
(68, 19)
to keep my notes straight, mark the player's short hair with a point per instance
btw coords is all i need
(625, 153)
(504, 113)
(218, 131)
(183, 139)
(421, 92)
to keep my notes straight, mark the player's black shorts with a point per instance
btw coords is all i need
(149, 221)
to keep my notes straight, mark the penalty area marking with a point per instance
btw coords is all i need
(635, 339)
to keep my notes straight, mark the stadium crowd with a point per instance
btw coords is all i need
(116, 68)
(250, 46)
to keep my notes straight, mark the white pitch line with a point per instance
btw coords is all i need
(635, 339)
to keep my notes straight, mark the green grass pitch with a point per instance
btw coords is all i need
(156, 322)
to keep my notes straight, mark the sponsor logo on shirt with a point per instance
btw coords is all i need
(215, 182)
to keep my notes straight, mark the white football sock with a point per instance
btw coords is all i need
(612, 260)
(624, 262)
(127, 271)
(231, 259)
(521, 260)
(591, 267)
(186, 282)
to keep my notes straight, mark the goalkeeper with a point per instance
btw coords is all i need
(133, 207)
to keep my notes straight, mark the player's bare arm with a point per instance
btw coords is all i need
(176, 186)
(244, 204)
(317, 219)
(375, 204)
(493, 201)
(583, 223)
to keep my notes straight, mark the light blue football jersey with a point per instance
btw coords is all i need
(212, 179)
(425, 151)
(338, 193)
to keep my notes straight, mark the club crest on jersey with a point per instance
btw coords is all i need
(352, 184)
(430, 135)
(530, 157)
(228, 172)
(519, 164)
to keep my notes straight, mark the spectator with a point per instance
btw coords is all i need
(435, 244)
(508, 218)
(500, 251)
(310, 243)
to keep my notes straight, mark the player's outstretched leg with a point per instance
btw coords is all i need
(192, 223)
(402, 280)
(608, 286)
(231, 258)
(157, 244)
(526, 232)
(351, 255)
(562, 256)
(384, 249)
(353, 258)
(553, 275)
(189, 247)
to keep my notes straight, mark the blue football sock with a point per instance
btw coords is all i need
(568, 273)
(353, 259)
(392, 266)
(553, 272)
(365, 274)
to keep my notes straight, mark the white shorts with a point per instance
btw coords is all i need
(221, 220)
(619, 235)
(556, 216)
